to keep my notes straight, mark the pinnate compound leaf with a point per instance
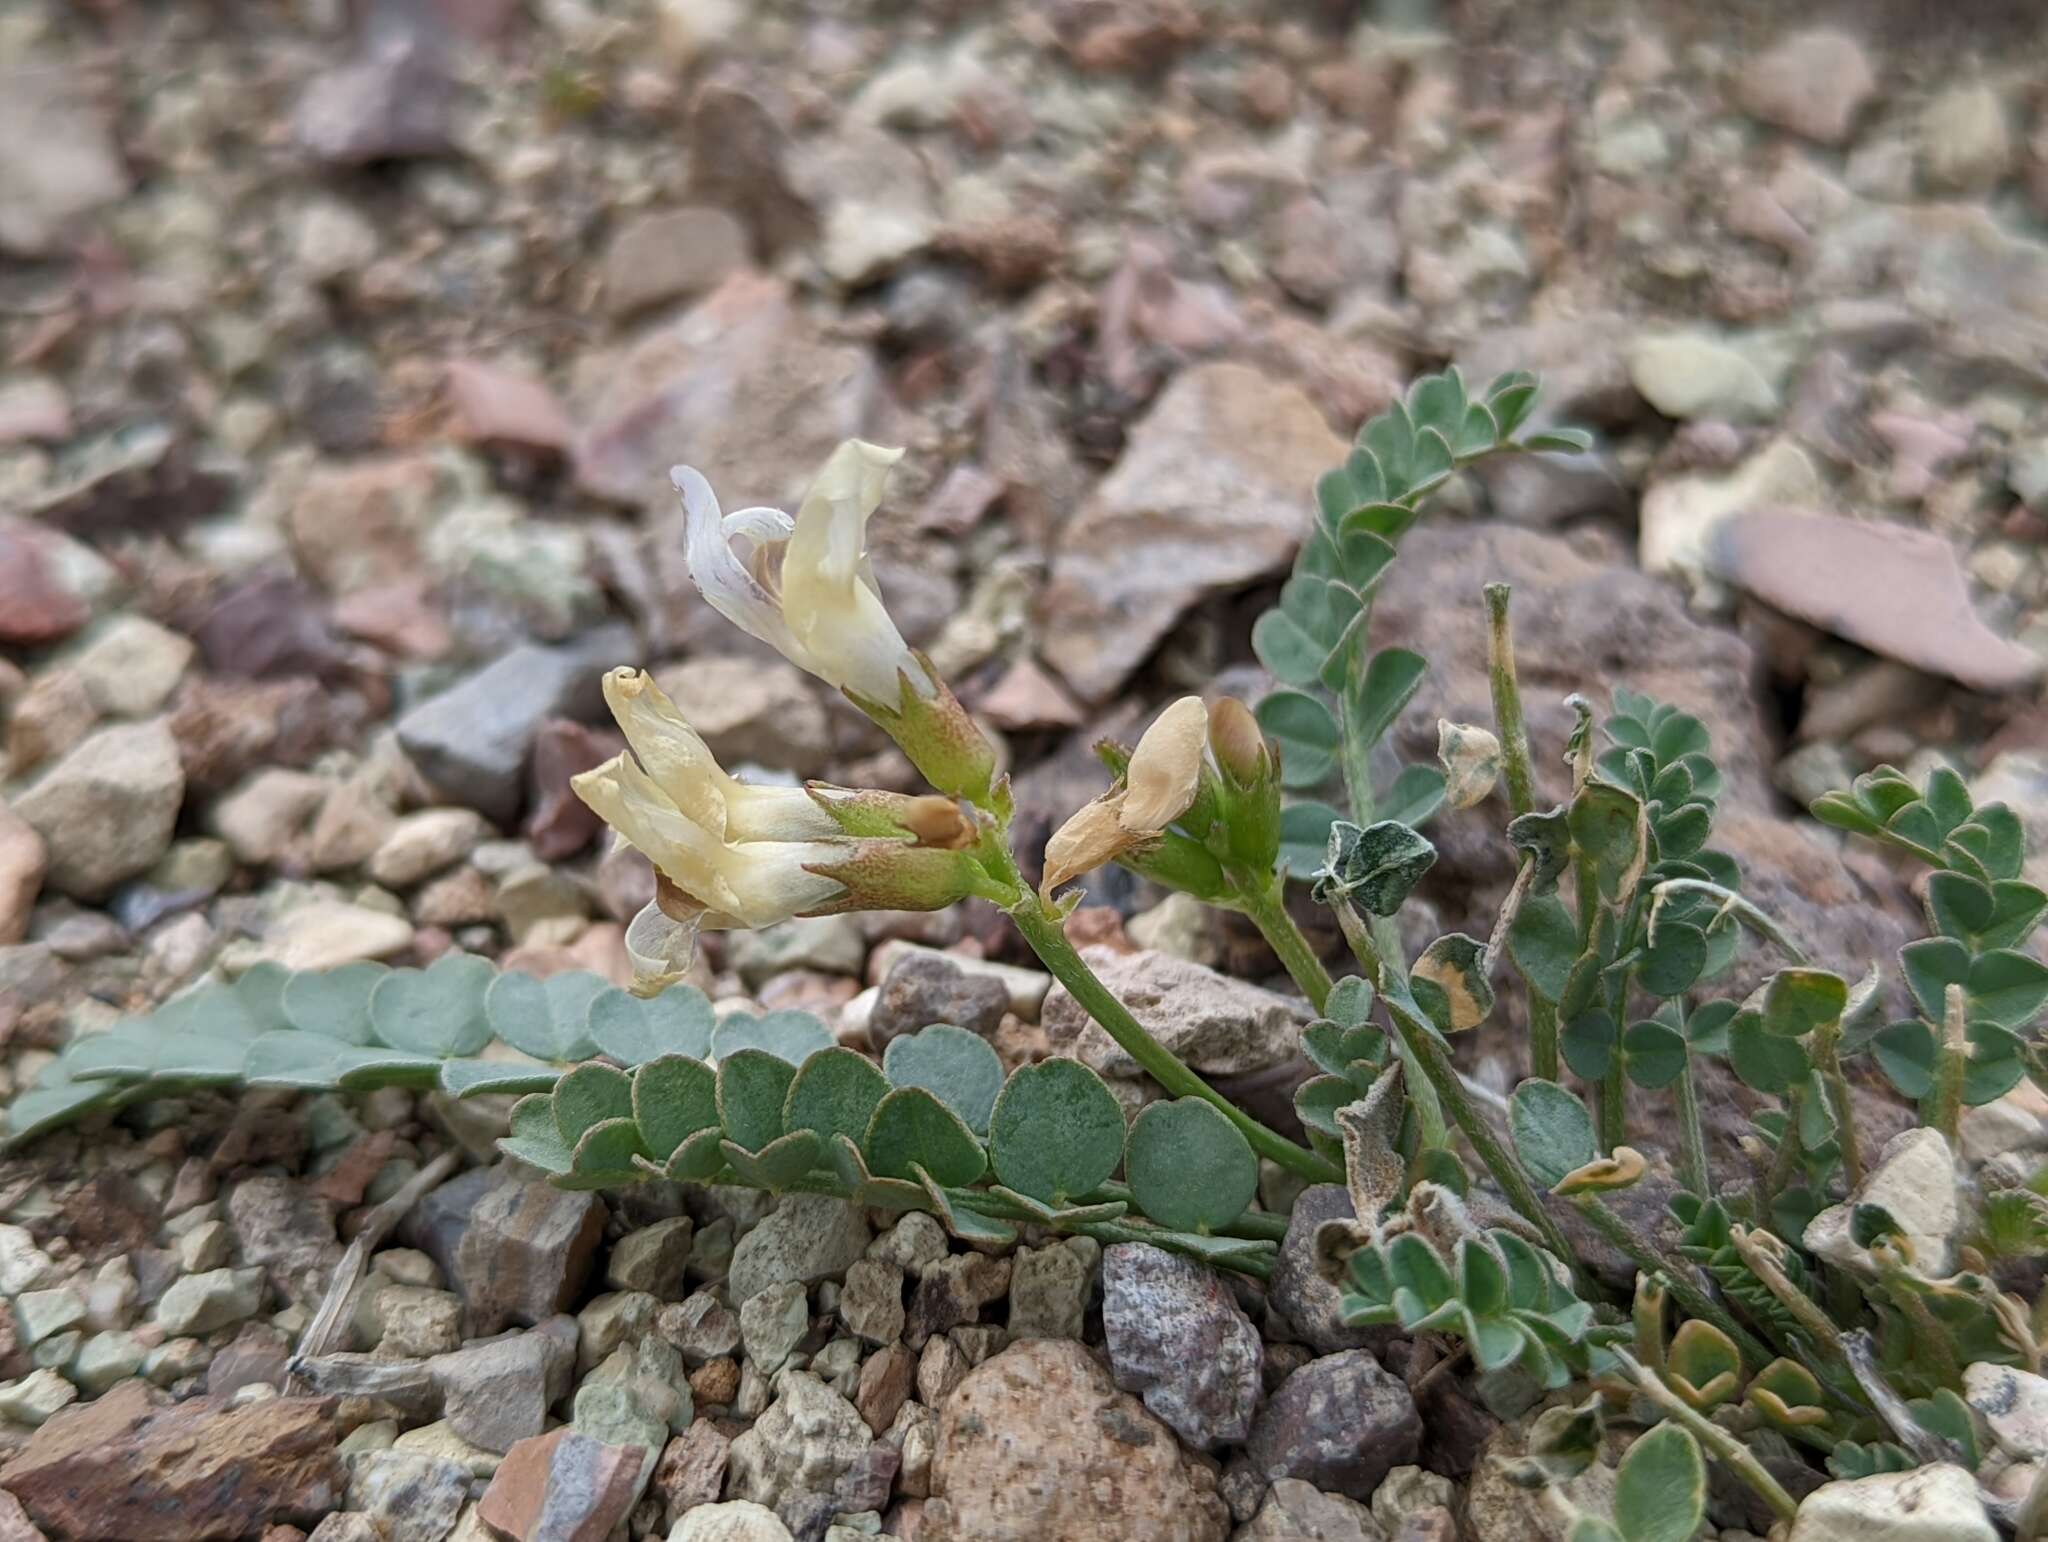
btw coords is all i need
(833, 1093)
(1057, 1132)
(634, 1030)
(484, 1076)
(334, 1003)
(1552, 1131)
(436, 1011)
(961, 1069)
(911, 1129)
(1189, 1166)
(1654, 1053)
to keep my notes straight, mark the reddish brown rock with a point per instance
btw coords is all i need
(692, 1468)
(886, 1378)
(562, 1487)
(496, 404)
(561, 823)
(742, 386)
(126, 1466)
(15, 1526)
(1897, 591)
(35, 607)
(1027, 697)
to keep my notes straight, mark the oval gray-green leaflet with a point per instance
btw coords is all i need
(1189, 1166)
(589, 1095)
(633, 1030)
(752, 1087)
(913, 1129)
(788, 1035)
(332, 1002)
(1552, 1131)
(1056, 1133)
(674, 1097)
(959, 1068)
(834, 1093)
(435, 1011)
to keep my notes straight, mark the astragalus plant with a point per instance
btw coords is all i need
(1796, 1318)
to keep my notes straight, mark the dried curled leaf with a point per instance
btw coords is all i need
(1470, 757)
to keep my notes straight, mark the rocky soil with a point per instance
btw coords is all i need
(343, 353)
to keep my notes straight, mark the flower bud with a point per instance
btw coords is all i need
(927, 818)
(1234, 739)
(1621, 1170)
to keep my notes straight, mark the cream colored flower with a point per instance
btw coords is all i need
(805, 585)
(739, 853)
(1159, 785)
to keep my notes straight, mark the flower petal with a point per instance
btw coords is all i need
(727, 584)
(771, 881)
(1166, 768)
(668, 748)
(626, 798)
(1093, 836)
(761, 813)
(828, 593)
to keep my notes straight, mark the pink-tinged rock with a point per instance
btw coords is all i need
(1894, 590)
(267, 627)
(126, 1466)
(1037, 1445)
(562, 1487)
(1813, 83)
(398, 617)
(1214, 490)
(23, 861)
(15, 1526)
(742, 386)
(33, 407)
(960, 501)
(1921, 447)
(35, 605)
(496, 404)
(58, 157)
(361, 523)
(561, 823)
(1027, 697)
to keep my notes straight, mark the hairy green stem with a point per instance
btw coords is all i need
(1427, 1061)
(1520, 776)
(1951, 1061)
(1422, 1093)
(1042, 930)
(1692, 1139)
(1738, 1457)
(1676, 1275)
(1827, 1060)
(1507, 701)
(1267, 910)
(1784, 1161)
(1758, 921)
